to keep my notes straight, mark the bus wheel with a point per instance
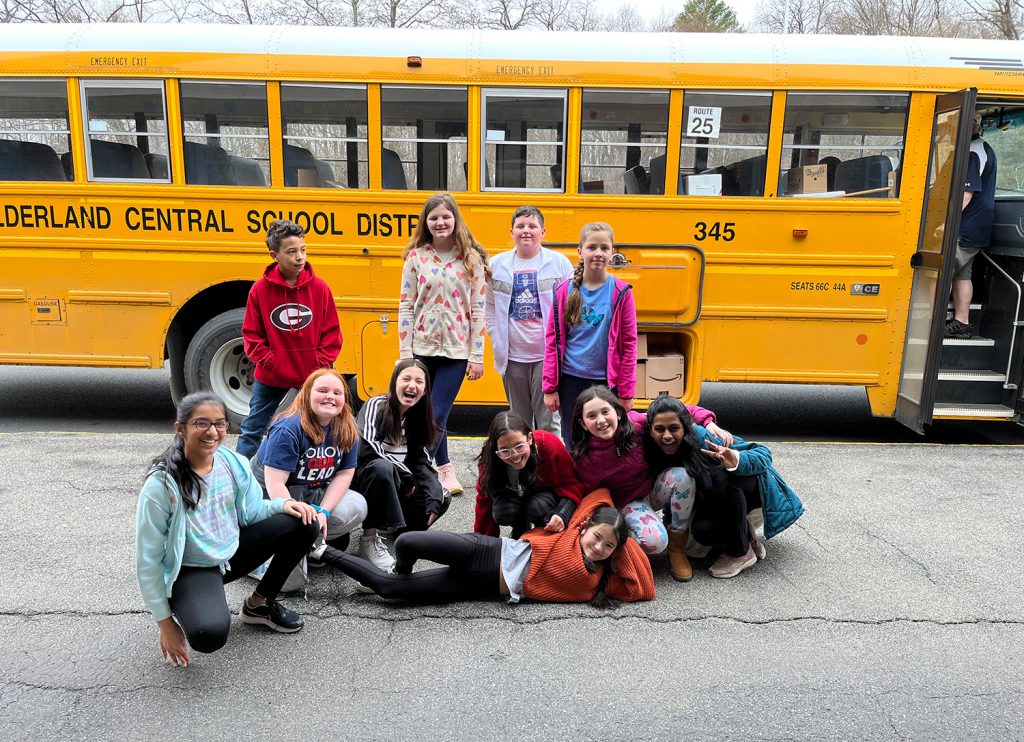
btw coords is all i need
(216, 360)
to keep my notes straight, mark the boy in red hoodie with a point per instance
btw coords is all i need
(290, 329)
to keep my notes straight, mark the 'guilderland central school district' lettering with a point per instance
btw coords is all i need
(206, 221)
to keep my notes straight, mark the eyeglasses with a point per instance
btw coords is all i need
(201, 423)
(516, 450)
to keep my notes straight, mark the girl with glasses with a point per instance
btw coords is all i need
(526, 477)
(201, 522)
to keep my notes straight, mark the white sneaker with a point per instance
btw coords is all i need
(374, 549)
(449, 482)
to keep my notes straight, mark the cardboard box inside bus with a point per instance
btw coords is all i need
(641, 348)
(807, 179)
(641, 380)
(703, 185)
(664, 375)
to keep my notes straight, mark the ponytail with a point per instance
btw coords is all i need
(173, 462)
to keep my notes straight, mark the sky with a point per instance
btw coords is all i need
(650, 8)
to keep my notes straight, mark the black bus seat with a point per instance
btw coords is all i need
(864, 174)
(29, 161)
(207, 164)
(117, 160)
(392, 172)
(245, 171)
(157, 165)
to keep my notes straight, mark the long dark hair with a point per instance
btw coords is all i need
(494, 471)
(625, 433)
(688, 455)
(420, 429)
(173, 462)
(609, 516)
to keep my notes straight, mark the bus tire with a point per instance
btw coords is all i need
(216, 360)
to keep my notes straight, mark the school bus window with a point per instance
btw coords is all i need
(724, 148)
(1003, 129)
(35, 134)
(325, 129)
(126, 130)
(843, 144)
(622, 147)
(227, 139)
(524, 140)
(424, 138)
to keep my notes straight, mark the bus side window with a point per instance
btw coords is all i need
(843, 145)
(226, 135)
(623, 140)
(724, 149)
(325, 129)
(34, 130)
(424, 136)
(524, 138)
(124, 121)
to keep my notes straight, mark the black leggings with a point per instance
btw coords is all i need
(197, 597)
(473, 564)
(520, 511)
(720, 512)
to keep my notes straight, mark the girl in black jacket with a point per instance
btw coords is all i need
(394, 471)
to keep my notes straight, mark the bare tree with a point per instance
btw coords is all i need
(900, 18)
(509, 15)
(804, 16)
(1005, 18)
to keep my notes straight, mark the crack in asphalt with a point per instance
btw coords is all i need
(101, 687)
(899, 550)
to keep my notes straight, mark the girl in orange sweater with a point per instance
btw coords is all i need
(593, 560)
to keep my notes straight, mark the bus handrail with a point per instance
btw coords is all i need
(1016, 319)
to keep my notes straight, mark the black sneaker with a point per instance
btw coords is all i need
(274, 615)
(957, 329)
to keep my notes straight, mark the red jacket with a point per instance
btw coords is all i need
(557, 573)
(554, 472)
(290, 331)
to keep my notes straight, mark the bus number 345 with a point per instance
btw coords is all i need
(714, 231)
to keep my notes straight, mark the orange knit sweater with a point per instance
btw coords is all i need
(557, 572)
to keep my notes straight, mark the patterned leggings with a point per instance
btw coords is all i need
(673, 488)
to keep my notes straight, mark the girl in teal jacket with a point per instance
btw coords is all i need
(201, 522)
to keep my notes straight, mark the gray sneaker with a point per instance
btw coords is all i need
(373, 549)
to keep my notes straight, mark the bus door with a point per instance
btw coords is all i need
(932, 263)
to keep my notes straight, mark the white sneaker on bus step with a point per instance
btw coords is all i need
(373, 549)
(449, 482)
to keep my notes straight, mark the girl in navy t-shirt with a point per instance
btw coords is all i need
(309, 454)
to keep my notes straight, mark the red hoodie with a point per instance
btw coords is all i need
(290, 331)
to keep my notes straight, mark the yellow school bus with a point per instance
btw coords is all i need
(785, 207)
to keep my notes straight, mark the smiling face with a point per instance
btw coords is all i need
(441, 223)
(598, 542)
(527, 233)
(327, 398)
(514, 448)
(596, 253)
(600, 419)
(668, 431)
(409, 387)
(290, 257)
(200, 444)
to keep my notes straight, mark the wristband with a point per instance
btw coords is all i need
(324, 511)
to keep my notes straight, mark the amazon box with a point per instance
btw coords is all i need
(641, 380)
(664, 375)
(808, 179)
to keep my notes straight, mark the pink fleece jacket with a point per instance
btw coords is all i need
(621, 341)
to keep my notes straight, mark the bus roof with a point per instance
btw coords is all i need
(676, 48)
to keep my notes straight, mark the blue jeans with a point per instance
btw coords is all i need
(446, 375)
(262, 405)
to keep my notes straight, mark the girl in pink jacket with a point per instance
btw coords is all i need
(591, 336)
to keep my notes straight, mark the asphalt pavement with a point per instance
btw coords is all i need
(891, 610)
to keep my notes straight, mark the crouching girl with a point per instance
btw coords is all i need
(201, 522)
(526, 477)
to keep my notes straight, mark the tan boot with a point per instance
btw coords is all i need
(678, 562)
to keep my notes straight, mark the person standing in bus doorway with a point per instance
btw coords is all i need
(591, 335)
(519, 298)
(979, 211)
(441, 320)
(290, 329)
